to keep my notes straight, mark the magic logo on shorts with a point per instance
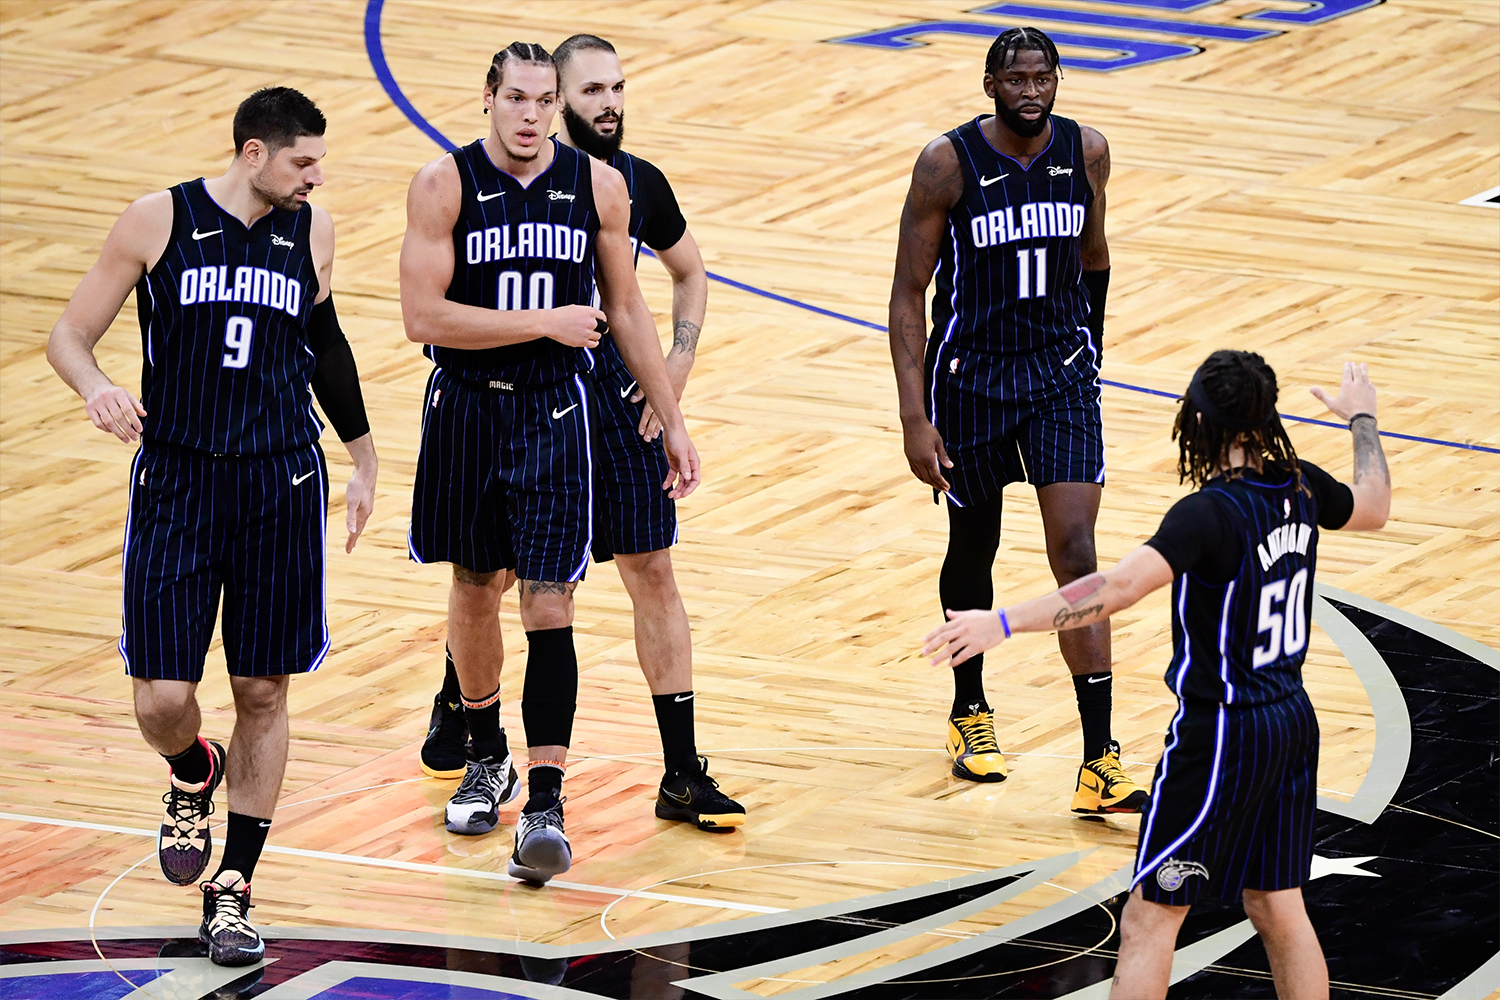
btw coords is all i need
(1173, 873)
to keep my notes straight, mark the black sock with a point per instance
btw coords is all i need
(452, 693)
(968, 688)
(483, 717)
(193, 765)
(549, 698)
(965, 583)
(244, 839)
(544, 785)
(1093, 692)
(674, 717)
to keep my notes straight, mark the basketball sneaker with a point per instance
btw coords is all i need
(971, 743)
(444, 752)
(1104, 787)
(542, 849)
(226, 928)
(183, 844)
(695, 798)
(488, 784)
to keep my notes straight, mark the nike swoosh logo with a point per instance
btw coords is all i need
(265, 824)
(682, 697)
(487, 197)
(1069, 362)
(298, 480)
(1098, 680)
(557, 414)
(203, 236)
(985, 182)
(681, 800)
(626, 391)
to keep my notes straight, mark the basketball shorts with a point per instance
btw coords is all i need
(632, 512)
(1233, 803)
(1024, 418)
(251, 528)
(503, 478)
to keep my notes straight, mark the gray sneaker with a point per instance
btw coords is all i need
(475, 806)
(542, 849)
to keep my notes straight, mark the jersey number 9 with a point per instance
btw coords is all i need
(237, 336)
(1289, 631)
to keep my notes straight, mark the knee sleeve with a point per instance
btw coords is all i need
(550, 696)
(973, 537)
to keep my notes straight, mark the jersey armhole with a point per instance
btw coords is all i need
(1228, 508)
(178, 194)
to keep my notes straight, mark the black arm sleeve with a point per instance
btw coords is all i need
(1097, 284)
(664, 224)
(1194, 538)
(336, 379)
(1335, 500)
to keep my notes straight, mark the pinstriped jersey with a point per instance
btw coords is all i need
(1010, 273)
(520, 247)
(223, 317)
(1243, 642)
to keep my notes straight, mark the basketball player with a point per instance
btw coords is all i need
(505, 240)
(229, 490)
(1235, 793)
(1008, 209)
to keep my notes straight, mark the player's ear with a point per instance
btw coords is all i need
(989, 86)
(253, 152)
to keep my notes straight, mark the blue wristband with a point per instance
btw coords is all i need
(1005, 623)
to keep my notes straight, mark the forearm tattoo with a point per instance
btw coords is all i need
(1078, 593)
(1369, 457)
(685, 337)
(548, 586)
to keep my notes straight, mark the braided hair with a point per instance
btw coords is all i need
(1013, 40)
(1231, 401)
(521, 52)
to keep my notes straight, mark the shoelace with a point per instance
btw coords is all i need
(978, 733)
(230, 906)
(552, 816)
(184, 808)
(480, 784)
(1108, 767)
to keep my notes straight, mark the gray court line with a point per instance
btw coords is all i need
(1469, 647)
(721, 984)
(1477, 985)
(327, 976)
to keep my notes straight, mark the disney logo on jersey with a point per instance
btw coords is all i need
(281, 241)
(1293, 537)
(254, 285)
(1173, 873)
(1059, 171)
(559, 195)
(549, 241)
(1039, 219)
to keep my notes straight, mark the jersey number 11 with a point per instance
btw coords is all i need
(1023, 265)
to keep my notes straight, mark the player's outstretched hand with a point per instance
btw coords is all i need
(682, 457)
(359, 501)
(577, 326)
(115, 411)
(1356, 394)
(925, 453)
(964, 634)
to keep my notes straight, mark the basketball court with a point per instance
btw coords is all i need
(1312, 181)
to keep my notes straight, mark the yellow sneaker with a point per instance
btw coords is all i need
(971, 743)
(1104, 787)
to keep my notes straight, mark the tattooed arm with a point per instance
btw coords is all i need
(1087, 600)
(936, 185)
(1372, 479)
(689, 305)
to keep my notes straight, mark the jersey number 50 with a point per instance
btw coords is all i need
(237, 335)
(1288, 632)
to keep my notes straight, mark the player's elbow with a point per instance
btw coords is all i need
(1372, 507)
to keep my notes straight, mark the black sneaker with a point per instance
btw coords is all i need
(475, 806)
(542, 848)
(226, 928)
(695, 798)
(444, 752)
(183, 844)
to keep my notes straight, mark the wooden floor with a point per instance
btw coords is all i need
(1298, 196)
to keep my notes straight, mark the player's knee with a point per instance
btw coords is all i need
(546, 604)
(1273, 911)
(1075, 556)
(160, 703)
(259, 697)
(648, 575)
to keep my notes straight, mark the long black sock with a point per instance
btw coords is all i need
(193, 765)
(452, 692)
(1093, 692)
(550, 696)
(244, 839)
(543, 787)
(674, 717)
(965, 583)
(483, 717)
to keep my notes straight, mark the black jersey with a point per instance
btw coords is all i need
(1010, 271)
(655, 221)
(1242, 641)
(520, 247)
(223, 327)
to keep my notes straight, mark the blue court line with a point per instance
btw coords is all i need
(376, 51)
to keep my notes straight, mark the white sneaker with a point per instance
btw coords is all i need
(475, 807)
(542, 849)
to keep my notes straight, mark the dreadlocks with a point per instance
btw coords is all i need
(521, 52)
(1231, 401)
(1013, 40)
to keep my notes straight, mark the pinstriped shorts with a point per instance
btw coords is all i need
(504, 479)
(632, 513)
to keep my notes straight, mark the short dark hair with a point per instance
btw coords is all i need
(574, 44)
(1231, 401)
(277, 116)
(1013, 40)
(523, 52)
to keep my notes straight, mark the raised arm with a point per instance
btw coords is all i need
(689, 306)
(133, 245)
(1355, 403)
(633, 328)
(432, 207)
(1087, 600)
(936, 185)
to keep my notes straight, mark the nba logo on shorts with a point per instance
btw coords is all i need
(1173, 873)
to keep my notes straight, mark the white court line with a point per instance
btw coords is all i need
(413, 866)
